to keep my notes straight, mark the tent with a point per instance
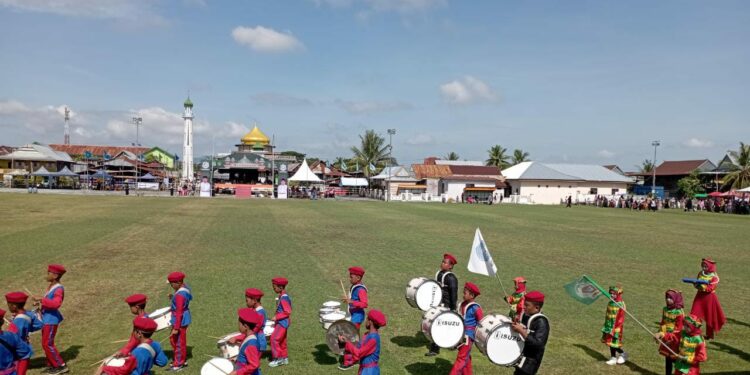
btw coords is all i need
(304, 174)
(101, 174)
(147, 176)
(42, 172)
(65, 172)
(715, 194)
(701, 195)
(745, 190)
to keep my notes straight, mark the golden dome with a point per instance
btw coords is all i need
(255, 136)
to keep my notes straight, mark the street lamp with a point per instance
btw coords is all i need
(653, 169)
(391, 133)
(137, 121)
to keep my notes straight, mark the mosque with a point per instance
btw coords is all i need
(254, 160)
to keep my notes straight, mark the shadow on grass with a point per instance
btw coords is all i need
(411, 341)
(745, 356)
(68, 355)
(170, 354)
(737, 322)
(601, 357)
(441, 366)
(322, 355)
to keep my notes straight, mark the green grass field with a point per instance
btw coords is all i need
(115, 246)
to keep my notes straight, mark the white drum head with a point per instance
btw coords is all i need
(447, 330)
(332, 317)
(160, 312)
(268, 328)
(504, 346)
(227, 337)
(217, 366)
(429, 295)
(334, 304)
(115, 362)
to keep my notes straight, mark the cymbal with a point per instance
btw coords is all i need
(341, 327)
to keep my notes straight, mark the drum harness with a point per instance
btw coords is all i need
(442, 280)
(528, 329)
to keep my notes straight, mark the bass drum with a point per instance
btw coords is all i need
(423, 293)
(498, 341)
(341, 327)
(217, 366)
(443, 327)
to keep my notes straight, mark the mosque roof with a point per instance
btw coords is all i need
(255, 136)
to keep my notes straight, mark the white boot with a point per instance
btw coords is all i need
(612, 361)
(623, 358)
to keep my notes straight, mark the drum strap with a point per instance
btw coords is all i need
(24, 317)
(466, 309)
(442, 279)
(532, 318)
(248, 338)
(351, 290)
(148, 348)
(53, 288)
(185, 290)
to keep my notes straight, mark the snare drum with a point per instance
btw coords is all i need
(114, 362)
(443, 327)
(496, 339)
(327, 310)
(332, 304)
(227, 350)
(268, 328)
(423, 293)
(217, 366)
(328, 319)
(163, 318)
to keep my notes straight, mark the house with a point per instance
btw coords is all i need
(543, 183)
(669, 172)
(97, 152)
(159, 155)
(457, 180)
(398, 178)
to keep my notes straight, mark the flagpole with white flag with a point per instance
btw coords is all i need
(480, 261)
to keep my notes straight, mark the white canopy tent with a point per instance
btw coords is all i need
(353, 181)
(304, 174)
(745, 190)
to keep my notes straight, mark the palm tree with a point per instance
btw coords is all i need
(497, 157)
(372, 152)
(451, 156)
(519, 156)
(646, 167)
(740, 178)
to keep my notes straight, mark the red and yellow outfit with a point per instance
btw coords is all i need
(706, 304)
(692, 347)
(614, 320)
(672, 318)
(517, 299)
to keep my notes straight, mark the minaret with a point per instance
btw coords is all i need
(187, 147)
(67, 127)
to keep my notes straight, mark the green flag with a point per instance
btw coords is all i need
(584, 290)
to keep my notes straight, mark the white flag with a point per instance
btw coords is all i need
(480, 260)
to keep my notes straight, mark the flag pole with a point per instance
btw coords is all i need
(606, 293)
(503, 287)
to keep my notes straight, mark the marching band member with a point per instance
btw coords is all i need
(22, 323)
(144, 356)
(357, 301)
(672, 318)
(51, 317)
(367, 351)
(279, 355)
(516, 300)
(137, 303)
(248, 361)
(706, 304)
(472, 314)
(181, 318)
(612, 330)
(534, 328)
(252, 300)
(692, 347)
(12, 349)
(449, 284)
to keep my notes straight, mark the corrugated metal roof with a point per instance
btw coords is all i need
(683, 167)
(98, 151)
(475, 170)
(430, 171)
(572, 172)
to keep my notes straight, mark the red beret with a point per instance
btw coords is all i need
(535, 296)
(377, 317)
(359, 271)
(16, 297)
(280, 281)
(249, 315)
(520, 279)
(136, 299)
(56, 268)
(450, 257)
(145, 324)
(253, 293)
(176, 277)
(473, 288)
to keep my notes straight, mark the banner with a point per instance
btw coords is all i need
(583, 291)
(480, 260)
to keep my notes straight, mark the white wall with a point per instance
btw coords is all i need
(551, 192)
(453, 189)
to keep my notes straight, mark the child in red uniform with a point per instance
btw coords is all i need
(51, 317)
(181, 319)
(22, 323)
(516, 299)
(137, 303)
(612, 331)
(279, 353)
(672, 318)
(472, 314)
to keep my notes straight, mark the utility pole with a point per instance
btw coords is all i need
(137, 121)
(391, 133)
(653, 169)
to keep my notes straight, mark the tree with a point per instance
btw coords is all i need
(451, 156)
(372, 152)
(646, 167)
(497, 157)
(740, 178)
(297, 155)
(519, 156)
(690, 185)
(340, 163)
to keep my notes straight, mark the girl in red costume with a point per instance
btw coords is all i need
(672, 319)
(706, 304)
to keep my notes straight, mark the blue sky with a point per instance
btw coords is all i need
(575, 81)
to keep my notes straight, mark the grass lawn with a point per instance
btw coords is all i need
(115, 246)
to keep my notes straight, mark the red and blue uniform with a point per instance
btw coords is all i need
(51, 319)
(248, 361)
(12, 349)
(181, 319)
(367, 352)
(358, 304)
(278, 337)
(141, 360)
(133, 341)
(23, 323)
(258, 330)
(472, 314)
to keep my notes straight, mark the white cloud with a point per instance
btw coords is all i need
(421, 139)
(606, 154)
(367, 107)
(467, 90)
(263, 39)
(698, 143)
(280, 100)
(106, 9)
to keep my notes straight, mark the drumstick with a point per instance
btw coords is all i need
(98, 362)
(214, 337)
(342, 287)
(119, 341)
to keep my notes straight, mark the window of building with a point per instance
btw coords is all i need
(593, 191)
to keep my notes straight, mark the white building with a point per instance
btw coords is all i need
(187, 146)
(542, 183)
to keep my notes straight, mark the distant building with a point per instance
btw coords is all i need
(98, 152)
(671, 171)
(614, 168)
(458, 181)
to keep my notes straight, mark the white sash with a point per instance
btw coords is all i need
(351, 290)
(148, 348)
(442, 279)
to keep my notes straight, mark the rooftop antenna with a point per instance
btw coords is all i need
(67, 127)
